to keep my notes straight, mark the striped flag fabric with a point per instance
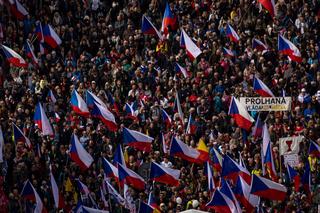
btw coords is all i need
(13, 58)
(78, 154)
(193, 51)
(40, 118)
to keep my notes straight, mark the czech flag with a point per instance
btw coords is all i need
(192, 126)
(217, 160)
(42, 120)
(152, 201)
(203, 149)
(115, 194)
(259, 45)
(148, 28)
(18, 10)
(231, 170)
(267, 153)
(164, 144)
(232, 34)
(105, 116)
(57, 117)
(78, 154)
(260, 88)
(211, 185)
(109, 169)
(58, 200)
(221, 203)
(294, 177)
(19, 136)
(226, 190)
(30, 53)
(306, 179)
(137, 140)
(130, 111)
(164, 175)
(51, 97)
(193, 51)
(257, 129)
(242, 193)
(29, 193)
(86, 209)
(50, 36)
(146, 208)
(91, 98)
(168, 20)
(180, 69)
(113, 103)
(130, 177)
(286, 47)
(267, 189)
(177, 107)
(314, 149)
(182, 150)
(78, 105)
(13, 58)
(269, 5)
(166, 118)
(118, 156)
(228, 52)
(240, 114)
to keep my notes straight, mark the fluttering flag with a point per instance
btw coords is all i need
(13, 58)
(314, 149)
(115, 194)
(286, 47)
(79, 155)
(294, 177)
(242, 193)
(228, 52)
(231, 170)
(130, 177)
(51, 96)
(148, 28)
(91, 98)
(182, 70)
(78, 105)
(226, 190)
(29, 193)
(257, 129)
(103, 113)
(260, 88)
(18, 135)
(164, 175)
(192, 126)
(232, 34)
(29, 52)
(240, 114)
(217, 160)
(193, 51)
(40, 118)
(177, 107)
(211, 184)
(130, 112)
(58, 200)
(109, 169)
(221, 203)
(269, 5)
(18, 10)
(50, 36)
(146, 208)
(267, 189)
(166, 118)
(168, 20)
(137, 140)
(119, 156)
(259, 45)
(267, 153)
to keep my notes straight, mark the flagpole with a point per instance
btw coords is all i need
(280, 164)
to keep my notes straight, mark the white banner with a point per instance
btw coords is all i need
(289, 145)
(266, 103)
(292, 159)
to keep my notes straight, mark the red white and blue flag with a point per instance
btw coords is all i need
(92, 98)
(259, 45)
(29, 52)
(314, 149)
(193, 51)
(177, 107)
(130, 177)
(260, 88)
(109, 169)
(228, 52)
(40, 118)
(240, 114)
(50, 36)
(13, 58)
(51, 97)
(18, 135)
(168, 20)
(221, 203)
(211, 184)
(267, 189)
(192, 126)
(105, 116)
(269, 5)
(258, 128)
(58, 199)
(78, 105)
(242, 193)
(182, 70)
(130, 112)
(232, 34)
(118, 156)
(18, 10)
(29, 193)
(286, 47)
(148, 28)
(294, 177)
(231, 170)
(226, 190)
(79, 155)
(166, 118)
(137, 140)
(267, 153)
(164, 175)
(217, 160)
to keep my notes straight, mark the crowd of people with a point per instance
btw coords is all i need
(104, 51)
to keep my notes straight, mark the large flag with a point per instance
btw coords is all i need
(232, 34)
(164, 175)
(269, 5)
(29, 193)
(91, 98)
(193, 51)
(221, 203)
(79, 155)
(168, 20)
(267, 189)
(29, 52)
(18, 10)
(137, 140)
(286, 47)
(314, 149)
(19, 136)
(166, 118)
(118, 156)
(103, 113)
(267, 153)
(294, 177)
(109, 169)
(130, 177)
(259, 45)
(50, 36)
(152, 200)
(260, 88)
(182, 150)
(78, 105)
(240, 114)
(148, 28)
(226, 190)
(182, 70)
(242, 193)
(290, 145)
(58, 200)
(13, 58)
(40, 118)
(231, 170)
